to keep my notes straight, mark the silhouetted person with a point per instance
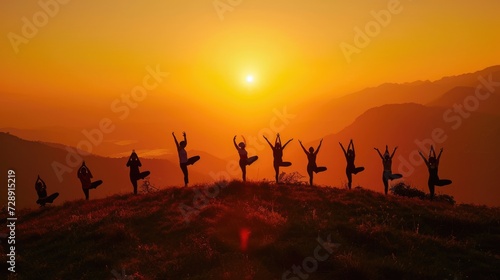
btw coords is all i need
(432, 165)
(85, 177)
(387, 163)
(278, 155)
(134, 163)
(183, 158)
(41, 190)
(351, 168)
(311, 161)
(244, 159)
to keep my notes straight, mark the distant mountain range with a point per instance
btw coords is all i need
(340, 112)
(30, 159)
(448, 110)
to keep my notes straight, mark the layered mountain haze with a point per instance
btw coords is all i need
(470, 156)
(57, 167)
(459, 114)
(340, 112)
(153, 137)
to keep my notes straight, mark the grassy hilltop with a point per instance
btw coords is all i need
(162, 236)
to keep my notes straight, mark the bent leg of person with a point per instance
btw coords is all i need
(358, 169)
(143, 175)
(95, 184)
(442, 182)
(319, 169)
(192, 160)
(285, 163)
(395, 176)
(251, 160)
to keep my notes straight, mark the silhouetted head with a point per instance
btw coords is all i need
(84, 170)
(39, 184)
(432, 160)
(311, 149)
(182, 144)
(241, 145)
(387, 156)
(350, 152)
(278, 145)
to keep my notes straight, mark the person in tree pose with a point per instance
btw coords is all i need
(351, 168)
(387, 163)
(41, 190)
(85, 177)
(311, 161)
(183, 158)
(432, 165)
(244, 159)
(278, 155)
(134, 163)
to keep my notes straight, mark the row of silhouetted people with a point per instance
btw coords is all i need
(85, 175)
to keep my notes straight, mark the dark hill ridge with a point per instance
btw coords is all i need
(30, 159)
(470, 156)
(364, 234)
(339, 112)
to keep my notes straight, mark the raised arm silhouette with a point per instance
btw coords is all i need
(135, 174)
(432, 166)
(278, 155)
(351, 168)
(183, 158)
(41, 190)
(244, 159)
(311, 161)
(85, 177)
(387, 163)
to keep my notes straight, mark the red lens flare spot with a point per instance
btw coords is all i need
(244, 235)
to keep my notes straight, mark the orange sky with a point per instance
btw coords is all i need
(89, 53)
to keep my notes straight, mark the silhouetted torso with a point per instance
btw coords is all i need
(183, 158)
(350, 161)
(387, 164)
(134, 167)
(433, 172)
(278, 154)
(311, 158)
(41, 189)
(243, 154)
(85, 179)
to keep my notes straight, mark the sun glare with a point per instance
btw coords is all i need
(249, 79)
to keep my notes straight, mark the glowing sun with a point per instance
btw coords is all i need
(249, 79)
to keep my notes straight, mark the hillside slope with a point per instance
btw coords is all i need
(470, 156)
(30, 159)
(364, 234)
